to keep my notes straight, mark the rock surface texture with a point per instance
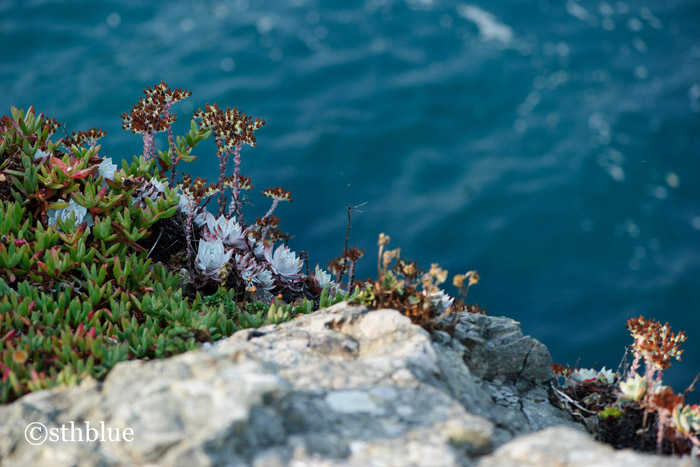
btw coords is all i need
(343, 386)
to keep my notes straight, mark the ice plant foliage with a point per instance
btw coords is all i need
(92, 253)
(75, 301)
(71, 210)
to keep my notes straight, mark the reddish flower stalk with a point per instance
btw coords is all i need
(148, 145)
(351, 275)
(269, 212)
(171, 138)
(171, 142)
(235, 205)
(223, 162)
(188, 236)
(635, 364)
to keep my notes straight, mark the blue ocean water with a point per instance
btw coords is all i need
(553, 146)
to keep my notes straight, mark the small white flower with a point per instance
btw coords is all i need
(284, 262)
(211, 258)
(227, 230)
(80, 213)
(107, 168)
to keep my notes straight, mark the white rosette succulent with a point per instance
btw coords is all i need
(107, 168)
(686, 418)
(211, 259)
(253, 273)
(247, 267)
(440, 300)
(153, 189)
(633, 389)
(79, 212)
(187, 206)
(41, 154)
(583, 376)
(284, 263)
(228, 231)
(606, 376)
(258, 247)
(265, 280)
(323, 279)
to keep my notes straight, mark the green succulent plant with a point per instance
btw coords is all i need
(78, 292)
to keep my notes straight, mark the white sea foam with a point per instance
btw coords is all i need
(576, 10)
(490, 27)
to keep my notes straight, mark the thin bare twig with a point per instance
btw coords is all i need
(154, 245)
(568, 399)
(691, 388)
(347, 236)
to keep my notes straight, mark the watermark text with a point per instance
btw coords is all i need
(37, 433)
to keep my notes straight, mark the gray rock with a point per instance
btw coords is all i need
(343, 386)
(566, 447)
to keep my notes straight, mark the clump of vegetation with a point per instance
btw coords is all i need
(403, 286)
(100, 264)
(633, 409)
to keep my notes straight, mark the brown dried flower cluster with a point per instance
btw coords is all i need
(243, 182)
(151, 114)
(278, 194)
(655, 342)
(561, 370)
(81, 137)
(231, 127)
(197, 189)
(355, 254)
(161, 92)
(52, 125)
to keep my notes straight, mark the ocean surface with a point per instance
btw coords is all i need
(554, 146)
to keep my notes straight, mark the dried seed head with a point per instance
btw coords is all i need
(655, 342)
(409, 269)
(355, 253)
(383, 239)
(278, 194)
(438, 273)
(389, 255)
(231, 127)
(81, 137)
